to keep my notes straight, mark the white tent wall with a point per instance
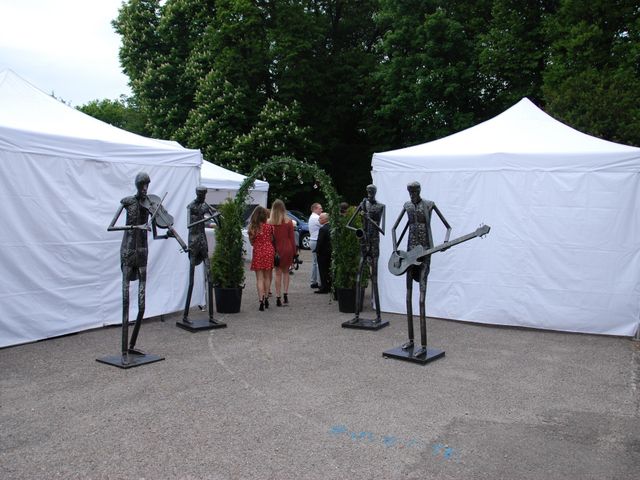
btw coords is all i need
(61, 267)
(564, 248)
(223, 184)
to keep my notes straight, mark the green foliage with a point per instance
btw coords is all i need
(227, 262)
(512, 55)
(276, 134)
(593, 78)
(119, 113)
(330, 81)
(427, 78)
(346, 251)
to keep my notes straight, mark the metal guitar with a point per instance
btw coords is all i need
(400, 260)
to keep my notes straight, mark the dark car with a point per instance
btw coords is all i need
(302, 228)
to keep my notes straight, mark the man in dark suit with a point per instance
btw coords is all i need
(323, 251)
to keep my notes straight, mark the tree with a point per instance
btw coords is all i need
(120, 113)
(592, 81)
(427, 80)
(513, 52)
(276, 134)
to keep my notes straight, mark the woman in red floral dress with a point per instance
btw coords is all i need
(261, 238)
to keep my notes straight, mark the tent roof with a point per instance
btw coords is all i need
(522, 137)
(32, 121)
(213, 176)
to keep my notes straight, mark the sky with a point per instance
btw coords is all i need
(64, 47)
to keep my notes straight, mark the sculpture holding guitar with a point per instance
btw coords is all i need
(416, 263)
(401, 260)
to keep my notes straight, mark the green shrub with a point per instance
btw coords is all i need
(346, 251)
(227, 261)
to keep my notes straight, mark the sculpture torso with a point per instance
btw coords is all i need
(419, 218)
(374, 210)
(134, 247)
(198, 246)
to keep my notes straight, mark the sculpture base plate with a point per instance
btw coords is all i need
(365, 324)
(131, 360)
(198, 325)
(399, 354)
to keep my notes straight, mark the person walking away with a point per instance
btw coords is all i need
(323, 249)
(261, 239)
(285, 247)
(314, 227)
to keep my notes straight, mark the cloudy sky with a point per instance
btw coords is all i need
(65, 47)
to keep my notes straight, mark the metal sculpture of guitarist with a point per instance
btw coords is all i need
(418, 213)
(416, 262)
(198, 213)
(144, 213)
(373, 220)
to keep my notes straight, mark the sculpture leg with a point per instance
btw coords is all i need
(125, 315)
(142, 285)
(358, 298)
(374, 287)
(185, 316)
(207, 277)
(409, 344)
(423, 311)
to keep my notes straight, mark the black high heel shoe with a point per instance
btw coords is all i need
(278, 302)
(286, 299)
(261, 308)
(266, 302)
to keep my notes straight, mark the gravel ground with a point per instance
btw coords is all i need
(289, 394)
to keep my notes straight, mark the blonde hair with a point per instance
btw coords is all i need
(257, 218)
(278, 213)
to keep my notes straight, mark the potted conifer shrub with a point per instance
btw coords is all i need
(345, 261)
(227, 261)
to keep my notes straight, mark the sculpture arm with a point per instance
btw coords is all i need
(394, 228)
(349, 225)
(380, 227)
(445, 223)
(113, 228)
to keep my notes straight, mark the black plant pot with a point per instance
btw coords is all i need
(228, 300)
(347, 299)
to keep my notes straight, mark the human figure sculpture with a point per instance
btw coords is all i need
(373, 219)
(199, 212)
(142, 214)
(418, 213)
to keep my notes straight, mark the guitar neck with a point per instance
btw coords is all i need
(451, 243)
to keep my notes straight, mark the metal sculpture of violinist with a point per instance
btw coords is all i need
(199, 212)
(416, 262)
(373, 219)
(144, 213)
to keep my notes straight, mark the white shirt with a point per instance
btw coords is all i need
(314, 226)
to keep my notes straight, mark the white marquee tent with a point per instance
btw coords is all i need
(222, 184)
(62, 175)
(564, 248)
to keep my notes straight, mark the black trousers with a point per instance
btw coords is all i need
(324, 268)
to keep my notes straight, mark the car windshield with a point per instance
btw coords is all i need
(300, 215)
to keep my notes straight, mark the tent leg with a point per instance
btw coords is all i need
(637, 336)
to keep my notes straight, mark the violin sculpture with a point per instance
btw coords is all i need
(144, 212)
(161, 218)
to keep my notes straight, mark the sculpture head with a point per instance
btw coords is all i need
(414, 191)
(201, 193)
(142, 183)
(371, 192)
